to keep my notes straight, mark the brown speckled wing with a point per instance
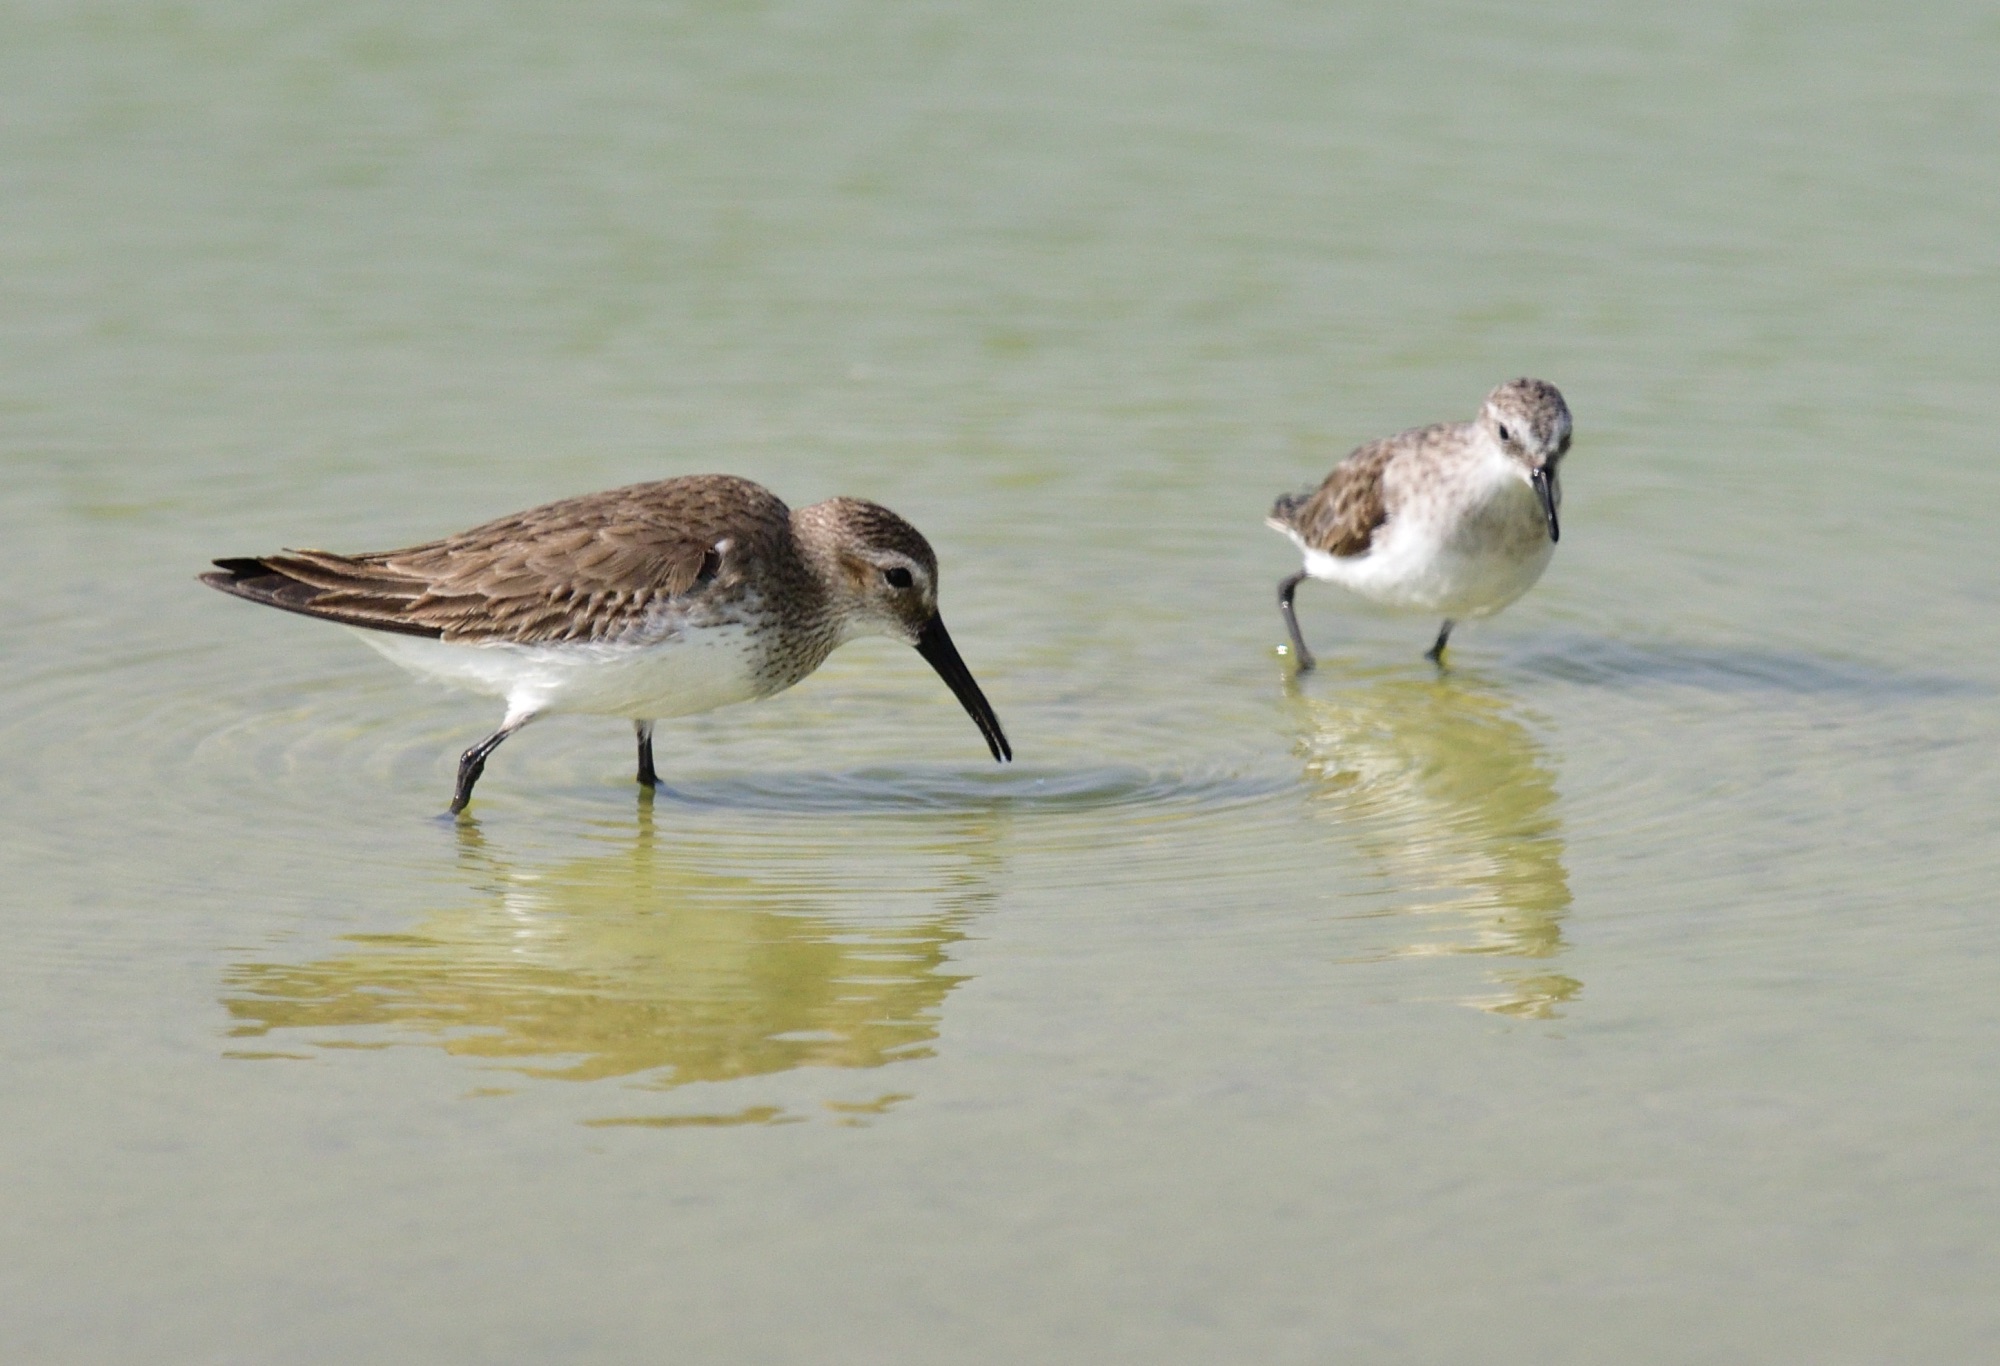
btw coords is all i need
(1340, 516)
(585, 569)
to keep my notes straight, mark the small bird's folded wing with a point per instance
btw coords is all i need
(588, 569)
(1340, 516)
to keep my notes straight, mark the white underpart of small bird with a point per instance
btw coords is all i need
(1456, 519)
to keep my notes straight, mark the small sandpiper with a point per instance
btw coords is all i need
(1457, 519)
(647, 602)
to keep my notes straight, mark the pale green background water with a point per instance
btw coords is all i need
(1629, 994)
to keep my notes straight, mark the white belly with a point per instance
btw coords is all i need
(694, 672)
(1458, 562)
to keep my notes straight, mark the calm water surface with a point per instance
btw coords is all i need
(1627, 993)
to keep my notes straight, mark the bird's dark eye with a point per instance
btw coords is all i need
(898, 577)
(1505, 435)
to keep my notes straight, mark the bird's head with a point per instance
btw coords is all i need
(883, 577)
(1531, 423)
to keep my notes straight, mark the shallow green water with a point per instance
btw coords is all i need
(1626, 994)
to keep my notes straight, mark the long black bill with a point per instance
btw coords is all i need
(934, 644)
(1545, 489)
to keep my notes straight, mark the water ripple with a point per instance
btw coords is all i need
(1603, 662)
(1017, 788)
(319, 746)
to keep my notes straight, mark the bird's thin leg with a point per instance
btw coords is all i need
(648, 777)
(1300, 653)
(1436, 653)
(472, 763)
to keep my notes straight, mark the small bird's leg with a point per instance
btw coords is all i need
(1436, 653)
(472, 763)
(1300, 653)
(647, 776)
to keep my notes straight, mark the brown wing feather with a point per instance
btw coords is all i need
(1340, 516)
(258, 581)
(583, 569)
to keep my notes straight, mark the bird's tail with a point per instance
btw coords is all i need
(314, 583)
(1284, 510)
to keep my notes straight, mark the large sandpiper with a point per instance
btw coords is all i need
(1456, 520)
(652, 601)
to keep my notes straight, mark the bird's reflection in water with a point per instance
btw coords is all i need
(646, 964)
(1448, 796)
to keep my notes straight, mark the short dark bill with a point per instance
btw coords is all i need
(1545, 490)
(934, 644)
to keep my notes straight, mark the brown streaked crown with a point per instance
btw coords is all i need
(1529, 419)
(859, 522)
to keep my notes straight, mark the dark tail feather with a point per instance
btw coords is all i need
(1287, 504)
(256, 581)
